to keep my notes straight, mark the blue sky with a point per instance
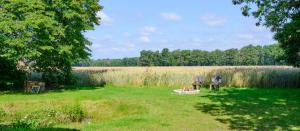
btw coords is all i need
(129, 26)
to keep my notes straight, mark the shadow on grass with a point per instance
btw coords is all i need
(255, 109)
(67, 88)
(9, 128)
(74, 88)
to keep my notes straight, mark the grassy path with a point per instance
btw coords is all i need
(117, 108)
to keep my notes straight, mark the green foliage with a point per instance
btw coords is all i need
(289, 37)
(43, 118)
(109, 62)
(53, 79)
(73, 113)
(25, 124)
(230, 57)
(2, 114)
(36, 119)
(283, 17)
(10, 76)
(248, 55)
(46, 33)
(148, 58)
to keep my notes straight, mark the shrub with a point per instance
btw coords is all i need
(11, 76)
(55, 79)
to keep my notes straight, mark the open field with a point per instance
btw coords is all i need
(232, 76)
(118, 108)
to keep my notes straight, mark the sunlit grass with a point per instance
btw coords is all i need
(127, 108)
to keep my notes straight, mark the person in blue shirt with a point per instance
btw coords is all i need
(216, 81)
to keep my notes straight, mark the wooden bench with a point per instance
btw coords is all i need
(34, 86)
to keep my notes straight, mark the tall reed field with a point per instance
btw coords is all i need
(232, 76)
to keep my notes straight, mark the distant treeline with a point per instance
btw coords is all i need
(248, 55)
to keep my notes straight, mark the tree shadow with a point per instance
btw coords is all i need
(255, 109)
(9, 128)
(74, 88)
(57, 90)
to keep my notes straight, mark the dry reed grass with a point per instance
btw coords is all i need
(232, 76)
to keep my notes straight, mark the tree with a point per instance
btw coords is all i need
(289, 37)
(249, 55)
(130, 61)
(146, 58)
(177, 58)
(283, 17)
(216, 57)
(186, 55)
(47, 33)
(273, 55)
(156, 58)
(165, 57)
(83, 62)
(230, 56)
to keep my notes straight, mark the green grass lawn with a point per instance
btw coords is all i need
(117, 108)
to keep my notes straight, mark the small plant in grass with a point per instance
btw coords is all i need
(25, 123)
(72, 113)
(2, 114)
(36, 119)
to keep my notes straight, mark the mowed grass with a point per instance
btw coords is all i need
(126, 108)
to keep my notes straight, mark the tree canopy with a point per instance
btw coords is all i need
(283, 17)
(47, 34)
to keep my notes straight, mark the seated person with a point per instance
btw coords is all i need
(216, 81)
(199, 80)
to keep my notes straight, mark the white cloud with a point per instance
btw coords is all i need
(213, 20)
(196, 40)
(145, 39)
(164, 41)
(126, 34)
(245, 36)
(259, 28)
(91, 38)
(129, 45)
(148, 30)
(96, 47)
(170, 16)
(120, 49)
(105, 19)
(123, 48)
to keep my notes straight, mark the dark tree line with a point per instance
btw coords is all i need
(248, 55)
(109, 62)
